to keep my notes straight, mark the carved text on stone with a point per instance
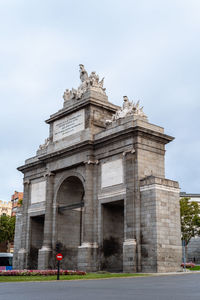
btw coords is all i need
(69, 125)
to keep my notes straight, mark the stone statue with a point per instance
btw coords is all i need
(87, 83)
(127, 105)
(128, 109)
(67, 95)
(45, 145)
(83, 73)
(101, 83)
(94, 79)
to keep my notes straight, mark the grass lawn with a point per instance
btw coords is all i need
(196, 268)
(68, 277)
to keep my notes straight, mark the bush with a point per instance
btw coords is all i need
(39, 272)
(188, 265)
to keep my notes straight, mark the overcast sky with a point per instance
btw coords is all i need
(146, 49)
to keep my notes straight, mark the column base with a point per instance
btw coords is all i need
(21, 262)
(87, 257)
(44, 258)
(129, 256)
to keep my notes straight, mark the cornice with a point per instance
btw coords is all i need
(137, 131)
(81, 104)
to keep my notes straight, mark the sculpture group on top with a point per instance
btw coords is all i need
(87, 83)
(128, 109)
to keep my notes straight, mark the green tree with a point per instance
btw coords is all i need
(190, 219)
(7, 228)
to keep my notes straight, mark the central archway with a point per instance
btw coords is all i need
(70, 203)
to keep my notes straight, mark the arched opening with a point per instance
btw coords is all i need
(69, 220)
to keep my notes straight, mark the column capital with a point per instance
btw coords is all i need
(27, 181)
(49, 173)
(131, 151)
(91, 162)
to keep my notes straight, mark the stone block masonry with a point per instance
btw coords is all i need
(160, 225)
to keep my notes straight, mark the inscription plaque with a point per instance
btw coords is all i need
(38, 192)
(69, 125)
(112, 173)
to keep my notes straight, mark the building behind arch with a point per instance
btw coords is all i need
(193, 247)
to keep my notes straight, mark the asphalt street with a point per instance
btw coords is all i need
(173, 287)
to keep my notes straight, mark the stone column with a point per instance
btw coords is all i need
(22, 253)
(87, 252)
(45, 253)
(129, 245)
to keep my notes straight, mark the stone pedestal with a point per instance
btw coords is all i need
(160, 214)
(44, 258)
(87, 257)
(129, 256)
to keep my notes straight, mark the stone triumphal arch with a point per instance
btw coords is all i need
(97, 187)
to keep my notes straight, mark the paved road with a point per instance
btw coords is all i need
(173, 287)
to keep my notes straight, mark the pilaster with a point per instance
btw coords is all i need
(130, 245)
(87, 252)
(161, 235)
(129, 162)
(23, 252)
(44, 255)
